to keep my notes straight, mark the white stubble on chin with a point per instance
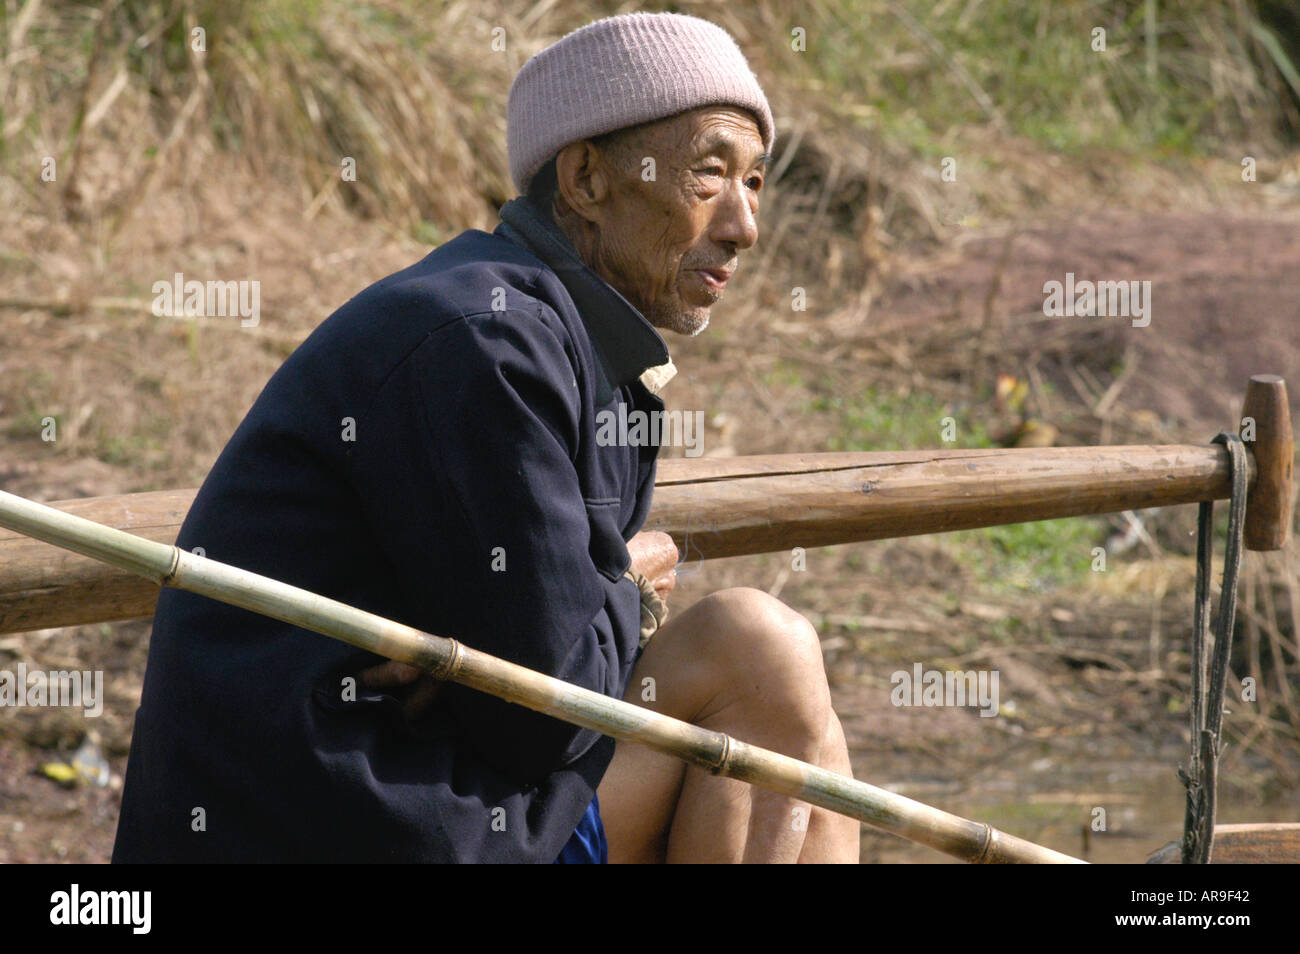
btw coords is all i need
(688, 323)
(695, 328)
(684, 319)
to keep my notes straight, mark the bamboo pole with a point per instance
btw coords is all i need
(168, 565)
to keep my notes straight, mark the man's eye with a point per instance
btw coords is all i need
(755, 182)
(713, 170)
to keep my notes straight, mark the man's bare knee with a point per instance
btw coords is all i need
(751, 619)
(769, 654)
(763, 632)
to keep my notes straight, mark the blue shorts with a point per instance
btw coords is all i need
(586, 846)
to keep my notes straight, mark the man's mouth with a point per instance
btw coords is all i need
(715, 278)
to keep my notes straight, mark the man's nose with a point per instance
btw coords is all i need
(735, 224)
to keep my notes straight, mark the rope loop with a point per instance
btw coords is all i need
(1201, 777)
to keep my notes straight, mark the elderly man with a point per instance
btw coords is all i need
(430, 453)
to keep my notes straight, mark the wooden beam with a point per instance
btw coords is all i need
(1268, 506)
(712, 508)
(718, 507)
(1256, 844)
(43, 586)
(764, 504)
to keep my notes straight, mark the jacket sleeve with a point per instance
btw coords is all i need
(502, 415)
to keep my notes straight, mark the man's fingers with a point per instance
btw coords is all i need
(653, 553)
(421, 697)
(393, 674)
(653, 549)
(389, 674)
(664, 548)
(666, 584)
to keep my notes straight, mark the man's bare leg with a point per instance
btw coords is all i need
(740, 662)
(833, 838)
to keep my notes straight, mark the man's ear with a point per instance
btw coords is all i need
(582, 178)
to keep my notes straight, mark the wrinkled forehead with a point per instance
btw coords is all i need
(728, 131)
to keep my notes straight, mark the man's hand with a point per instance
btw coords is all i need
(655, 556)
(392, 674)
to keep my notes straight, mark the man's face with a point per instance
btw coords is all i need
(680, 200)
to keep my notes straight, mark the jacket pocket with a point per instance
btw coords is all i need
(607, 548)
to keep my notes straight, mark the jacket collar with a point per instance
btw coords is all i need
(625, 342)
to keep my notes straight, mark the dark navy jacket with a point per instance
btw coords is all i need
(427, 454)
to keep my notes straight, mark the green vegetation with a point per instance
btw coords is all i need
(1036, 69)
(34, 405)
(1017, 557)
(1030, 557)
(875, 419)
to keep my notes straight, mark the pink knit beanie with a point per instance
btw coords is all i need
(623, 71)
